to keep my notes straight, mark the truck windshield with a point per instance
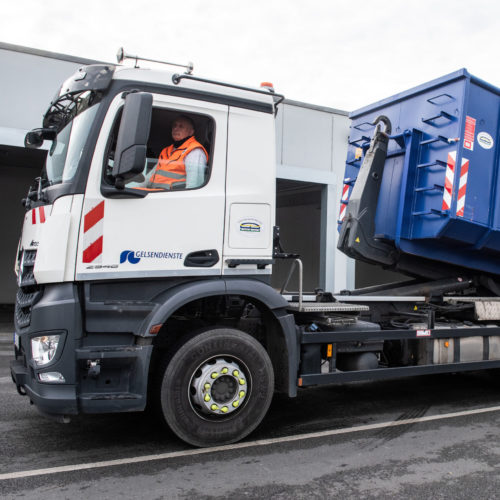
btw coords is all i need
(66, 150)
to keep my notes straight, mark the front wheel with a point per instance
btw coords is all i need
(217, 387)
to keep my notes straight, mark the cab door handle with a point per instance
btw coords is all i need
(202, 258)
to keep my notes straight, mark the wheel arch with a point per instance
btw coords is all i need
(279, 324)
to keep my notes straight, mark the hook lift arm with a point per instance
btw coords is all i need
(356, 237)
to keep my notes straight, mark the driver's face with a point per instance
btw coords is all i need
(181, 129)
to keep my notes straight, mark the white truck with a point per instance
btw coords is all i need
(131, 296)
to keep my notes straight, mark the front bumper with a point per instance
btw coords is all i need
(103, 372)
(48, 398)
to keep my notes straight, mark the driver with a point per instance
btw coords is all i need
(181, 165)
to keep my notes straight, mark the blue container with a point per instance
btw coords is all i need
(438, 197)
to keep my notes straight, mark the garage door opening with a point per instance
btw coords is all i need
(298, 214)
(18, 169)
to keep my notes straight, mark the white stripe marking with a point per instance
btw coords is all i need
(5, 380)
(463, 180)
(239, 446)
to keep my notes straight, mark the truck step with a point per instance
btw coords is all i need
(326, 307)
(112, 396)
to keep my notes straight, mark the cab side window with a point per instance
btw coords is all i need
(179, 152)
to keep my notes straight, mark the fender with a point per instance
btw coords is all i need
(277, 304)
(174, 298)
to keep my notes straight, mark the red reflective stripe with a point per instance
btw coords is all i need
(93, 251)
(465, 169)
(462, 187)
(93, 217)
(42, 215)
(33, 216)
(448, 182)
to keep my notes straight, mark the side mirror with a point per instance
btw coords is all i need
(34, 139)
(131, 145)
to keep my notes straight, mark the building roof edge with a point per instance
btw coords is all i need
(48, 54)
(316, 107)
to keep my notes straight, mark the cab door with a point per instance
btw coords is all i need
(164, 233)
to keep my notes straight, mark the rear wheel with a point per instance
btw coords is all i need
(217, 387)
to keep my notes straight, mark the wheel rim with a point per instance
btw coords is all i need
(219, 387)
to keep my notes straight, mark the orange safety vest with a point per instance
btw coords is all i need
(170, 170)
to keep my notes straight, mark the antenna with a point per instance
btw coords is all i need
(121, 55)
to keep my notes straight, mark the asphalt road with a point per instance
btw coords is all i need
(391, 439)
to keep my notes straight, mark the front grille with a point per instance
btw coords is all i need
(29, 258)
(28, 292)
(23, 316)
(25, 299)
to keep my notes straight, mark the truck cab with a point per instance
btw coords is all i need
(107, 265)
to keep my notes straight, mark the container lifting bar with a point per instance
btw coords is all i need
(359, 143)
(447, 140)
(364, 126)
(441, 99)
(437, 163)
(432, 119)
(437, 187)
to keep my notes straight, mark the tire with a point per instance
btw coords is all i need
(217, 387)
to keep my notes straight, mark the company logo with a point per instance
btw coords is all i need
(129, 255)
(135, 256)
(485, 140)
(250, 227)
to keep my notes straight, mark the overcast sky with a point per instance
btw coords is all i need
(334, 53)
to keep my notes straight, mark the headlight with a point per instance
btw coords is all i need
(43, 349)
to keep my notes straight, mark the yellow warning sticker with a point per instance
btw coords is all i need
(358, 153)
(357, 240)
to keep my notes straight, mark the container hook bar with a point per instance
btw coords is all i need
(383, 119)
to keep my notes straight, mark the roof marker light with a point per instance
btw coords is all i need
(267, 85)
